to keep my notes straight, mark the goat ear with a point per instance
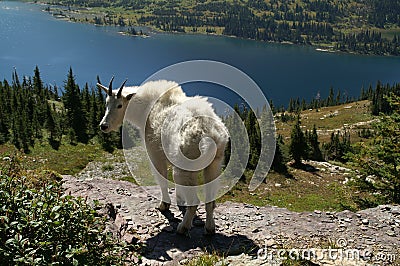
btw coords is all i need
(129, 96)
(105, 89)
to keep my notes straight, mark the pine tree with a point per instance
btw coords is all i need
(238, 144)
(76, 120)
(53, 127)
(39, 93)
(279, 162)
(253, 131)
(381, 158)
(315, 151)
(338, 146)
(93, 115)
(298, 147)
(4, 131)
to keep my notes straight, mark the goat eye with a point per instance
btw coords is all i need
(119, 106)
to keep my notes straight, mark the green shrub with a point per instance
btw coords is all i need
(39, 225)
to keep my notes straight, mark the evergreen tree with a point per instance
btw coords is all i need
(298, 147)
(237, 159)
(315, 151)
(53, 127)
(381, 157)
(338, 147)
(253, 131)
(93, 115)
(76, 119)
(279, 162)
(4, 131)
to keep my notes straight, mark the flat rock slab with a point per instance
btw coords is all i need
(243, 231)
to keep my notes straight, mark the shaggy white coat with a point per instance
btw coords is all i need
(178, 130)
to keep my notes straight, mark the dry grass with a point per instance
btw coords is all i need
(352, 117)
(306, 191)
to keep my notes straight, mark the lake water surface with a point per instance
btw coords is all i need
(30, 37)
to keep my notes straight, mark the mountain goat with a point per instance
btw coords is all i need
(172, 124)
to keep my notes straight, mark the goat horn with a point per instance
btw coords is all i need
(110, 86)
(104, 88)
(120, 89)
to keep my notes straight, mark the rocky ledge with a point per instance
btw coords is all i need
(246, 234)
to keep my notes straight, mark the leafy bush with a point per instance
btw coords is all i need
(39, 225)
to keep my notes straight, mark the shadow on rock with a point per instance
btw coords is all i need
(167, 245)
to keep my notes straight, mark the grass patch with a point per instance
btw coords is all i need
(205, 260)
(307, 191)
(351, 116)
(68, 159)
(291, 262)
(128, 178)
(107, 167)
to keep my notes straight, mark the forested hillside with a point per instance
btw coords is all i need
(31, 111)
(362, 26)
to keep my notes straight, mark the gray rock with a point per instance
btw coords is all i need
(240, 227)
(391, 233)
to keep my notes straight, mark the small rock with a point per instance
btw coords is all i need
(317, 212)
(396, 211)
(365, 221)
(128, 218)
(391, 233)
(269, 243)
(143, 231)
(363, 227)
(184, 262)
(129, 238)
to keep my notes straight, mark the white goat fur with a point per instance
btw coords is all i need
(190, 119)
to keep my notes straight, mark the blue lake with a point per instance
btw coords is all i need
(30, 37)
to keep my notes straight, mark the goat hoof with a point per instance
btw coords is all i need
(209, 231)
(182, 230)
(164, 206)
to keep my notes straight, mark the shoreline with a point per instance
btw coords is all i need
(73, 15)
